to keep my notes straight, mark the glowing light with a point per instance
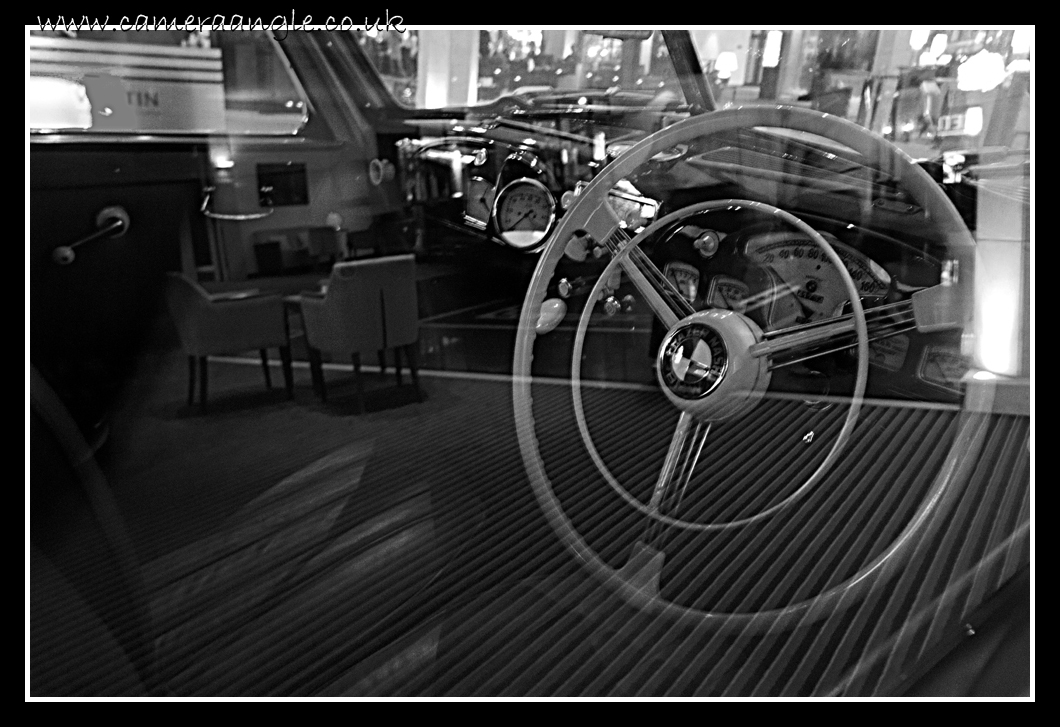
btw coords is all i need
(725, 64)
(998, 277)
(984, 376)
(1021, 41)
(918, 38)
(938, 44)
(771, 52)
(973, 120)
(1019, 64)
(926, 59)
(599, 146)
(982, 72)
(57, 103)
(887, 129)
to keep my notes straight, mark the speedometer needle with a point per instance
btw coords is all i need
(527, 214)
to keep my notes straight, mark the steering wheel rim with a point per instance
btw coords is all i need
(637, 581)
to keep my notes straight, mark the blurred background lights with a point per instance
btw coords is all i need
(726, 64)
(982, 72)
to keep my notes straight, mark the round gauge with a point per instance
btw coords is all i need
(478, 202)
(524, 213)
(807, 284)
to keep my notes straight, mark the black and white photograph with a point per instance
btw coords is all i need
(377, 361)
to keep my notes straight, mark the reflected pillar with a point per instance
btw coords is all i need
(892, 52)
(447, 73)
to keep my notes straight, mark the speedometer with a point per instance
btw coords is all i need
(807, 282)
(524, 213)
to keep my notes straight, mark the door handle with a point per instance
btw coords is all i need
(110, 222)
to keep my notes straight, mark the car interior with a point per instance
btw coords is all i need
(529, 364)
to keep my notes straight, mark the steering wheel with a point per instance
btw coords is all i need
(712, 365)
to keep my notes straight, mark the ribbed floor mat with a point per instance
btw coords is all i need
(906, 559)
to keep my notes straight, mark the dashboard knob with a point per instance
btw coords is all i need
(552, 312)
(612, 306)
(565, 288)
(707, 244)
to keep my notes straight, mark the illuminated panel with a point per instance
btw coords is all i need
(1002, 270)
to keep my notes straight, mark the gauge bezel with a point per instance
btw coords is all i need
(499, 201)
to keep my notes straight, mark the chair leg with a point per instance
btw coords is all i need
(359, 382)
(316, 371)
(192, 363)
(265, 367)
(288, 374)
(413, 357)
(382, 361)
(202, 383)
(397, 363)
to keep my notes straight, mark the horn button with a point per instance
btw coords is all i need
(704, 367)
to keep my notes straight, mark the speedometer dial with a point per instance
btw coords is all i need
(524, 213)
(808, 286)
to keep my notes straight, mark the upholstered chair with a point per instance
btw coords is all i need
(226, 323)
(368, 306)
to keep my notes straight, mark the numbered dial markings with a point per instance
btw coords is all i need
(810, 285)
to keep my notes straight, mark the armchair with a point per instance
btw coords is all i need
(370, 305)
(226, 323)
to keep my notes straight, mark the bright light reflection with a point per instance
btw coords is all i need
(997, 312)
(918, 38)
(771, 52)
(973, 120)
(58, 103)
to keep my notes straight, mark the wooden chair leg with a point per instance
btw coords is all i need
(316, 371)
(412, 355)
(202, 383)
(382, 361)
(288, 374)
(397, 364)
(192, 363)
(265, 367)
(359, 382)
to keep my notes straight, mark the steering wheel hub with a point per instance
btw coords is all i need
(704, 367)
(692, 360)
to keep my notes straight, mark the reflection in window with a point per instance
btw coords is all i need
(162, 82)
(528, 63)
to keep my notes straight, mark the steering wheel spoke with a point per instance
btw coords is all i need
(681, 458)
(668, 305)
(796, 344)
